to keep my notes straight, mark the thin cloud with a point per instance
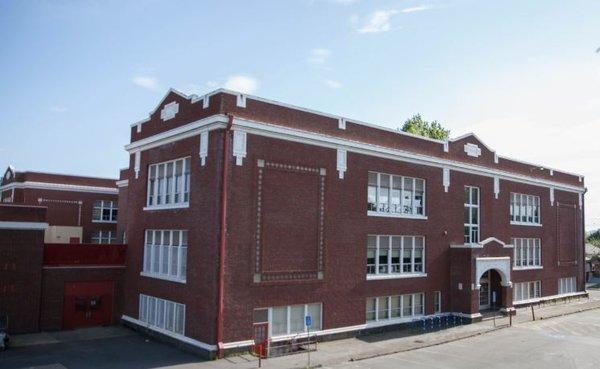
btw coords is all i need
(58, 109)
(241, 83)
(415, 9)
(333, 83)
(345, 2)
(146, 82)
(379, 21)
(319, 56)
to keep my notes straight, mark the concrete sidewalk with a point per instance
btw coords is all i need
(361, 348)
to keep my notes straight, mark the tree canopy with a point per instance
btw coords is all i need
(416, 125)
(594, 238)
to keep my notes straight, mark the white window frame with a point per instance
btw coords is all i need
(522, 291)
(413, 214)
(112, 206)
(437, 302)
(155, 244)
(522, 207)
(149, 313)
(388, 267)
(100, 237)
(288, 314)
(469, 239)
(567, 285)
(156, 198)
(402, 317)
(527, 253)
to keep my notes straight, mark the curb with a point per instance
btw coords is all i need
(426, 345)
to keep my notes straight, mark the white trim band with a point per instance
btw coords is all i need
(60, 187)
(24, 226)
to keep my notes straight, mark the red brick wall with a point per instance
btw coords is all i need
(67, 214)
(53, 288)
(201, 219)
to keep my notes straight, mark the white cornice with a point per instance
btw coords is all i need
(275, 131)
(24, 226)
(322, 140)
(60, 187)
(122, 183)
(179, 133)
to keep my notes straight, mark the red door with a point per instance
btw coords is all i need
(87, 304)
(261, 339)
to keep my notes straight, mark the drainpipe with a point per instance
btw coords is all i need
(223, 237)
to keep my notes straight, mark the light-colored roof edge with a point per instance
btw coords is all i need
(194, 98)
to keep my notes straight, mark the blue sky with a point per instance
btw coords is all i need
(525, 76)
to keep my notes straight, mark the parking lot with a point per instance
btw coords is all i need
(570, 341)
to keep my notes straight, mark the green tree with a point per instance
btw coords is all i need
(416, 125)
(594, 238)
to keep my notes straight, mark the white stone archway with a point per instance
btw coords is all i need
(499, 264)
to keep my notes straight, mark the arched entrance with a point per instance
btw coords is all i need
(490, 290)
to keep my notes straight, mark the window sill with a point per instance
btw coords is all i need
(372, 277)
(105, 221)
(528, 267)
(384, 322)
(395, 215)
(526, 224)
(165, 278)
(166, 207)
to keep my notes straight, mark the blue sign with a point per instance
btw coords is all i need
(308, 320)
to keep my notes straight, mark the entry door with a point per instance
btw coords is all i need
(87, 304)
(484, 291)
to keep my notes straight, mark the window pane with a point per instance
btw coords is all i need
(370, 309)
(382, 308)
(279, 324)
(314, 310)
(297, 319)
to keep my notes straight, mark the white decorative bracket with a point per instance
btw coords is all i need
(580, 179)
(205, 101)
(138, 127)
(240, 101)
(446, 146)
(472, 150)
(342, 123)
(580, 200)
(239, 146)
(496, 186)
(341, 162)
(446, 178)
(169, 111)
(551, 172)
(137, 164)
(551, 196)
(203, 147)
(495, 158)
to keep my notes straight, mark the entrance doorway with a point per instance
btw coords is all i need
(87, 304)
(484, 291)
(490, 290)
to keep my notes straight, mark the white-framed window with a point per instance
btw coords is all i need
(527, 252)
(567, 285)
(163, 314)
(471, 216)
(524, 209)
(395, 307)
(286, 320)
(104, 237)
(169, 184)
(165, 254)
(523, 291)
(396, 195)
(389, 255)
(104, 211)
(437, 302)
